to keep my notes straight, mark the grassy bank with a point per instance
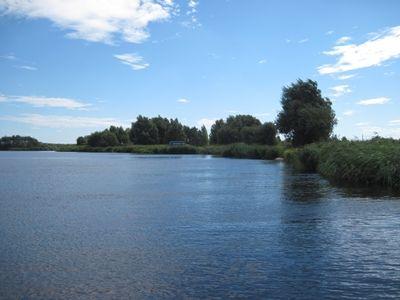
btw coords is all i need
(361, 163)
(234, 150)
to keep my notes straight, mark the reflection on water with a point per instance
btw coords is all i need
(80, 225)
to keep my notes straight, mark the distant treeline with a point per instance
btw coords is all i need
(19, 142)
(147, 131)
(159, 130)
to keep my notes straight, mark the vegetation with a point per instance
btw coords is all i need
(232, 150)
(146, 131)
(370, 163)
(17, 142)
(243, 129)
(306, 116)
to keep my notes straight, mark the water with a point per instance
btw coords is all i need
(112, 226)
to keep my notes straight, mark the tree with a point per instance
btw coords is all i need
(214, 131)
(239, 128)
(81, 140)
(121, 134)
(175, 131)
(249, 134)
(240, 121)
(266, 134)
(306, 116)
(102, 139)
(203, 136)
(228, 135)
(162, 125)
(16, 141)
(144, 131)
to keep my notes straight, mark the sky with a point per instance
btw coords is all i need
(68, 68)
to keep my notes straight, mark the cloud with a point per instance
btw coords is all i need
(136, 62)
(348, 113)
(340, 90)
(343, 40)
(373, 52)
(394, 122)
(183, 101)
(39, 101)
(262, 61)
(55, 121)
(206, 122)
(95, 20)
(191, 12)
(303, 41)
(29, 68)
(348, 76)
(374, 101)
(369, 131)
(8, 56)
(329, 32)
(390, 73)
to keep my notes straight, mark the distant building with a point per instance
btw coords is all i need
(176, 143)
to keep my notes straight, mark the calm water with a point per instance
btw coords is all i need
(81, 225)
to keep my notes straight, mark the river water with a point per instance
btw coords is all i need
(116, 226)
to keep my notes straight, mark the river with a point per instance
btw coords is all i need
(115, 226)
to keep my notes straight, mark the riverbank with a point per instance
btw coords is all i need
(239, 150)
(359, 163)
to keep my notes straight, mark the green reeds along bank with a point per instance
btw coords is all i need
(252, 151)
(363, 163)
(233, 150)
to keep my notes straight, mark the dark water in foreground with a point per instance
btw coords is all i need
(80, 225)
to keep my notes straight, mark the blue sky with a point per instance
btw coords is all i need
(68, 68)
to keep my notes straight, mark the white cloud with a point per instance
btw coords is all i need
(340, 90)
(374, 101)
(29, 68)
(183, 101)
(8, 56)
(191, 12)
(343, 40)
(303, 41)
(369, 131)
(390, 73)
(55, 121)
(136, 62)
(329, 32)
(373, 52)
(40, 101)
(206, 122)
(348, 113)
(262, 61)
(394, 122)
(95, 20)
(348, 76)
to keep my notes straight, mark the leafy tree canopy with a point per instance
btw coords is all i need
(306, 116)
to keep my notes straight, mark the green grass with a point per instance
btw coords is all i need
(368, 163)
(234, 150)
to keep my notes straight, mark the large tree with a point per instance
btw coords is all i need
(306, 116)
(144, 131)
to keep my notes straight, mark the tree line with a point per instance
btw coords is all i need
(306, 117)
(147, 131)
(18, 142)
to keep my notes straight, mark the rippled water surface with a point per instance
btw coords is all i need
(81, 225)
